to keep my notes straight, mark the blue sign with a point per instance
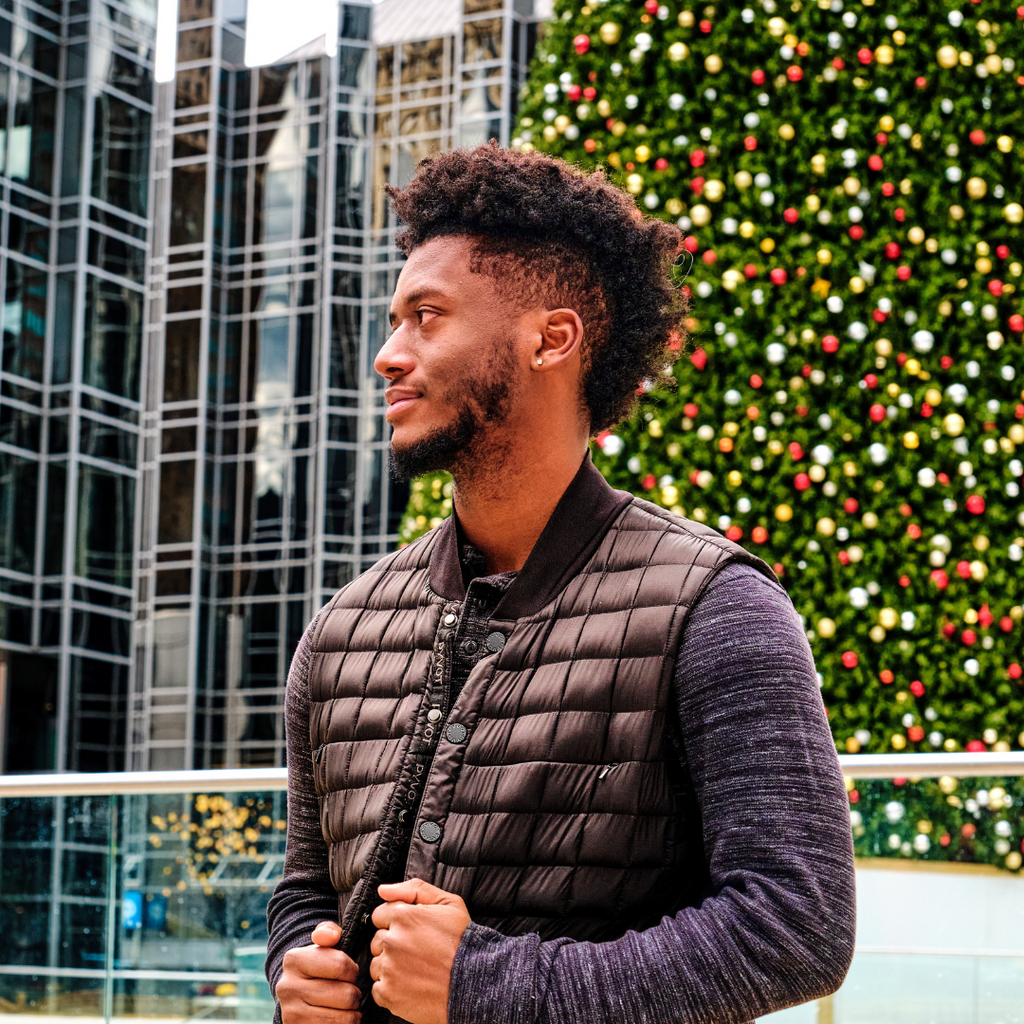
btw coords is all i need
(131, 910)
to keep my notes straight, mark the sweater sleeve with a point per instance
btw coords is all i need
(305, 896)
(777, 926)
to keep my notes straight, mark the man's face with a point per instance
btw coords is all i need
(451, 363)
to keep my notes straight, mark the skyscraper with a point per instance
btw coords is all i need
(197, 275)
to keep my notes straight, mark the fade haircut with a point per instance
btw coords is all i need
(551, 234)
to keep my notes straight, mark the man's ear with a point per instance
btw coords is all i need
(559, 340)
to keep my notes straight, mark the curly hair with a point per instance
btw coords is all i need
(550, 233)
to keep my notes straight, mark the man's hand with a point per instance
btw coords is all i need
(317, 985)
(419, 930)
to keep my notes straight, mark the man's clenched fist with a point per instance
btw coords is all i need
(317, 984)
(419, 930)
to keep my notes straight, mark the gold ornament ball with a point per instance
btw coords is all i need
(619, 129)
(783, 513)
(915, 235)
(888, 618)
(826, 628)
(851, 185)
(857, 285)
(826, 527)
(979, 570)
(562, 122)
(956, 211)
(610, 32)
(735, 478)
(1016, 435)
(983, 265)
(818, 163)
(1013, 212)
(743, 179)
(856, 553)
(933, 396)
(877, 634)
(824, 257)
(786, 131)
(993, 63)
(898, 741)
(883, 347)
(714, 190)
(976, 188)
(966, 58)
(982, 248)
(813, 203)
(678, 51)
(643, 153)
(604, 108)
(686, 19)
(869, 520)
(981, 543)
(947, 56)
(550, 133)
(777, 26)
(953, 424)
(885, 54)
(700, 215)
(947, 784)
(1004, 143)
(768, 245)
(747, 229)
(731, 280)
(634, 184)
(713, 64)
(886, 123)
(913, 367)
(852, 745)
(674, 207)
(911, 440)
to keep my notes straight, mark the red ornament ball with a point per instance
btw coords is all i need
(794, 73)
(590, 93)
(939, 578)
(888, 188)
(648, 482)
(802, 482)
(581, 43)
(892, 250)
(1015, 671)
(996, 288)
(948, 630)
(838, 63)
(750, 143)
(778, 276)
(690, 243)
(968, 636)
(975, 504)
(710, 256)
(871, 380)
(734, 533)
(881, 138)
(977, 137)
(759, 535)
(757, 77)
(920, 81)
(661, 164)
(864, 55)
(755, 380)
(697, 158)
(830, 343)
(875, 162)
(651, 6)
(915, 734)
(750, 270)
(856, 232)
(903, 272)
(699, 359)
(904, 581)
(850, 659)
(947, 361)
(973, 747)
(1002, 251)
(795, 450)
(589, 145)
(574, 92)
(1016, 322)
(851, 505)
(886, 676)
(917, 688)
(963, 570)
(878, 316)
(900, 214)
(791, 215)
(691, 410)
(1006, 624)
(705, 25)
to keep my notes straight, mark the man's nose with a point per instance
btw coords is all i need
(394, 359)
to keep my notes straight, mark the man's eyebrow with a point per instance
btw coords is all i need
(412, 298)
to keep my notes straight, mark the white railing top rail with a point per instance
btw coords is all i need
(855, 766)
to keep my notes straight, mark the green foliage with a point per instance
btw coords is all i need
(857, 424)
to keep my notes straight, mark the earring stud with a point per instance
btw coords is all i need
(540, 362)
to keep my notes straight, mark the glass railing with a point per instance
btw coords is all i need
(144, 895)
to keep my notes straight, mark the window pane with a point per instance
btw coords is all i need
(120, 154)
(424, 62)
(106, 514)
(113, 327)
(177, 486)
(344, 346)
(30, 147)
(24, 330)
(271, 339)
(56, 495)
(96, 722)
(31, 712)
(339, 504)
(188, 204)
(350, 174)
(192, 88)
(116, 256)
(181, 360)
(71, 156)
(19, 479)
(481, 40)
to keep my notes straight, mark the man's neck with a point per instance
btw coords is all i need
(504, 514)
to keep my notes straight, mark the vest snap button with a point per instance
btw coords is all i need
(434, 715)
(450, 619)
(495, 642)
(469, 647)
(430, 831)
(455, 733)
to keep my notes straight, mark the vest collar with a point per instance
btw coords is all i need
(576, 527)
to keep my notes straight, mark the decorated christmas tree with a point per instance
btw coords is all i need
(848, 400)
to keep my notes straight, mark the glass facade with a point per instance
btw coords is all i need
(196, 279)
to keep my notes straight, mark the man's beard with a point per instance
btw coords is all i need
(479, 404)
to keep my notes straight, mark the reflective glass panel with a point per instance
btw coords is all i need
(106, 517)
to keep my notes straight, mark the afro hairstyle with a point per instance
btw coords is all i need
(552, 234)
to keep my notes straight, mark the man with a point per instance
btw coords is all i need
(564, 758)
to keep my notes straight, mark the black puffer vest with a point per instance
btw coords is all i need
(550, 794)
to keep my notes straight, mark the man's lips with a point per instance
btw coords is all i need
(399, 400)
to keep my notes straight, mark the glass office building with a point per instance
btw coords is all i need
(196, 280)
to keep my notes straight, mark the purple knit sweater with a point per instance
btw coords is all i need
(778, 926)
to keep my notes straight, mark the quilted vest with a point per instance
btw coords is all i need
(549, 793)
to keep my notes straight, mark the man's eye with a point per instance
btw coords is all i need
(425, 314)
